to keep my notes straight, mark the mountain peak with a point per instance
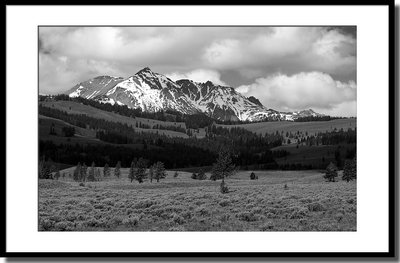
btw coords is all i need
(145, 70)
(255, 101)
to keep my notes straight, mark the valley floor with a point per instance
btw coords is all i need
(308, 203)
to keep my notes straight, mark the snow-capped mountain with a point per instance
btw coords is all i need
(152, 92)
(95, 87)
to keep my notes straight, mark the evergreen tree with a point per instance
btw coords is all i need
(57, 175)
(131, 174)
(151, 173)
(91, 176)
(349, 170)
(331, 172)
(83, 173)
(98, 174)
(117, 170)
(44, 170)
(106, 170)
(77, 172)
(140, 171)
(223, 168)
(159, 171)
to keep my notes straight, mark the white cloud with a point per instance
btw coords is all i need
(286, 49)
(198, 75)
(58, 74)
(302, 91)
(258, 55)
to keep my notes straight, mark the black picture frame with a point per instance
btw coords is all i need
(392, 186)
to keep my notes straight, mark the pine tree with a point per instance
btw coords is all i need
(131, 174)
(44, 170)
(57, 175)
(117, 170)
(106, 170)
(77, 172)
(151, 173)
(91, 176)
(140, 171)
(223, 168)
(349, 170)
(331, 172)
(159, 171)
(83, 173)
(98, 174)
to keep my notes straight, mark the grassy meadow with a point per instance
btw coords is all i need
(306, 203)
(311, 127)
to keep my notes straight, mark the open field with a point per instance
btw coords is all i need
(183, 204)
(289, 126)
(76, 108)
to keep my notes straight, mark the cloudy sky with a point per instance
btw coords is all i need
(286, 68)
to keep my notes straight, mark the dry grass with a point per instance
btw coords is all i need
(183, 204)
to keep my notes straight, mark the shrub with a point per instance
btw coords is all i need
(252, 176)
(224, 203)
(267, 226)
(199, 176)
(46, 224)
(144, 204)
(223, 188)
(64, 226)
(299, 213)
(224, 217)
(178, 219)
(176, 228)
(247, 216)
(339, 217)
(316, 207)
(131, 221)
(203, 211)
(187, 215)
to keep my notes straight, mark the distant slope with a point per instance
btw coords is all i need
(76, 108)
(288, 126)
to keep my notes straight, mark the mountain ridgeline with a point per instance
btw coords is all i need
(153, 92)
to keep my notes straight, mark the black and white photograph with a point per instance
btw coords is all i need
(201, 131)
(197, 128)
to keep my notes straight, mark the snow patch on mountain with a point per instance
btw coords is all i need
(153, 92)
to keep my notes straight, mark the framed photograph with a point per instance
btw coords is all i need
(211, 131)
